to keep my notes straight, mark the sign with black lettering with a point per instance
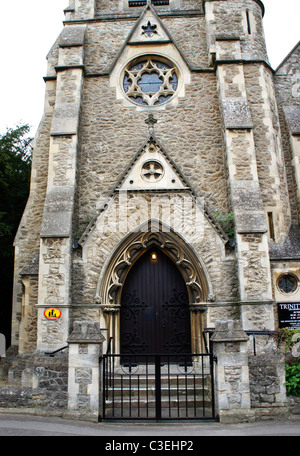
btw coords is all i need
(289, 315)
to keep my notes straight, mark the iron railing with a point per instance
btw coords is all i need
(51, 354)
(208, 332)
(158, 386)
(253, 334)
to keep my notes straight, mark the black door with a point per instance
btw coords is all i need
(154, 308)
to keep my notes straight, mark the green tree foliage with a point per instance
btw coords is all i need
(227, 223)
(15, 168)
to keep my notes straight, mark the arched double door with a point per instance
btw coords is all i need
(154, 315)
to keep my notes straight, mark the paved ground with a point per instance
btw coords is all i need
(28, 425)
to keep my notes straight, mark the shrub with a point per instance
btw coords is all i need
(291, 340)
(292, 379)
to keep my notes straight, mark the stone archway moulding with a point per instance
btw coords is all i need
(133, 246)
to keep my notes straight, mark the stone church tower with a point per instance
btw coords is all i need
(167, 139)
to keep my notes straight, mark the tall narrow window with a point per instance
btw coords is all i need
(271, 226)
(248, 22)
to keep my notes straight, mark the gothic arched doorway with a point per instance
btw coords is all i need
(125, 259)
(154, 314)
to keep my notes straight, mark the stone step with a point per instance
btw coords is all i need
(168, 411)
(151, 402)
(142, 380)
(149, 392)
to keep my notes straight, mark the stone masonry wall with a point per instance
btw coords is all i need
(103, 7)
(102, 43)
(287, 80)
(37, 382)
(191, 133)
(287, 87)
(269, 153)
(267, 377)
(195, 48)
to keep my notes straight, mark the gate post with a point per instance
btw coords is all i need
(232, 372)
(84, 376)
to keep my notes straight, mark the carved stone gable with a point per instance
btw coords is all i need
(153, 169)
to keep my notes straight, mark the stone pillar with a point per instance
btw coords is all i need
(85, 371)
(111, 314)
(232, 372)
(246, 199)
(28, 325)
(197, 312)
(56, 233)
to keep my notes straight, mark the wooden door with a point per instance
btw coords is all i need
(154, 314)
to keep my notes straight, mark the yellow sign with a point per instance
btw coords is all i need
(52, 313)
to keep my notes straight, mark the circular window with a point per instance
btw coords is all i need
(152, 171)
(287, 283)
(150, 81)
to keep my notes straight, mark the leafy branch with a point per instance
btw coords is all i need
(227, 223)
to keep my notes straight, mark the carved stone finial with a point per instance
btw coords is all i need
(151, 121)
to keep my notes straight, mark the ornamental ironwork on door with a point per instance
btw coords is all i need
(154, 316)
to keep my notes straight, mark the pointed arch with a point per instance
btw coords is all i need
(150, 234)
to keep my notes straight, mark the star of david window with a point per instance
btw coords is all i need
(150, 81)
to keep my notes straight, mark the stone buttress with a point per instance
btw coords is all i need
(56, 232)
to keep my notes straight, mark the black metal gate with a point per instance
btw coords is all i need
(158, 387)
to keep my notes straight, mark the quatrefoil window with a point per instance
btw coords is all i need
(150, 81)
(287, 283)
(152, 171)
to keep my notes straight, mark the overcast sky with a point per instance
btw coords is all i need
(29, 28)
